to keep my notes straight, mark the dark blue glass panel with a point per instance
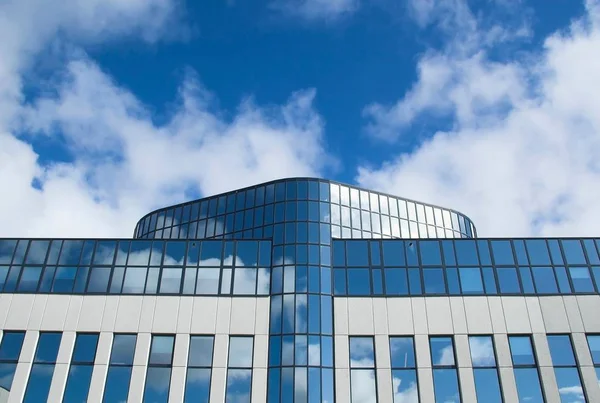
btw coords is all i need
(30, 277)
(489, 280)
(81, 279)
(47, 348)
(569, 385)
(412, 259)
(526, 279)
(393, 253)
(544, 280)
(64, 279)
(78, 383)
(395, 281)
(210, 254)
(449, 257)
(555, 251)
(358, 282)
(313, 279)
(528, 385)
(357, 253)
(442, 351)
(402, 352)
(508, 280)
(594, 344)
(158, 380)
(11, 345)
(325, 255)
(324, 214)
(521, 350)
(324, 191)
(99, 278)
(70, 253)
(7, 248)
(54, 252)
(85, 348)
(275, 351)
(327, 384)
(430, 253)
(197, 385)
(538, 252)
(326, 315)
(466, 252)
(591, 251)
(487, 385)
(445, 384)
(563, 280)
(573, 251)
(434, 281)
(301, 313)
(105, 252)
(404, 383)
(375, 254)
(582, 281)
(314, 385)
(470, 280)
(325, 280)
(287, 385)
(38, 385)
(116, 282)
(520, 252)
(274, 383)
(11, 281)
(377, 278)
(123, 349)
(414, 281)
(339, 281)
(453, 283)
(327, 351)
(37, 252)
(561, 350)
(484, 253)
(3, 275)
(122, 253)
(7, 374)
(239, 382)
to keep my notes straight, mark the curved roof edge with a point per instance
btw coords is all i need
(295, 178)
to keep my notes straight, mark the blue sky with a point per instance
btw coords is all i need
(109, 109)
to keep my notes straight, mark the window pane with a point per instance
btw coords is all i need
(594, 343)
(470, 280)
(240, 352)
(99, 279)
(29, 279)
(487, 385)
(85, 348)
(135, 278)
(47, 348)
(161, 352)
(395, 281)
(434, 281)
(402, 352)
(393, 253)
(238, 386)
(445, 383)
(430, 253)
(363, 388)
(362, 354)
(561, 350)
(357, 253)
(528, 385)
(78, 383)
(538, 251)
(123, 349)
(7, 374)
(158, 380)
(201, 351)
(11, 345)
(358, 282)
(442, 351)
(508, 280)
(569, 385)
(170, 281)
(197, 385)
(404, 384)
(582, 282)
(545, 282)
(521, 350)
(573, 251)
(38, 386)
(466, 252)
(482, 351)
(207, 281)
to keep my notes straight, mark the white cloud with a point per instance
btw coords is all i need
(521, 155)
(316, 10)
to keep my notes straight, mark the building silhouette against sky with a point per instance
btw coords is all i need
(300, 290)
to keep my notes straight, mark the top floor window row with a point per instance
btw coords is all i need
(88, 252)
(466, 252)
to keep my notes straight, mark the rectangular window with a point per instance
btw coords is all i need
(362, 370)
(485, 371)
(119, 369)
(82, 365)
(594, 344)
(445, 377)
(158, 377)
(525, 369)
(10, 350)
(565, 368)
(42, 369)
(404, 369)
(197, 384)
(239, 369)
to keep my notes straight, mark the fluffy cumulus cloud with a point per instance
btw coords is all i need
(121, 162)
(316, 10)
(521, 155)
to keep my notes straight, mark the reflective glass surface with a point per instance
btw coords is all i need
(483, 359)
(82, 365)
(525, 369)
(158, 375)
(404, 375)
(200, 355)
(120, 367)
(445, 378)
(565, 369)
(362, 370)
(42, 369)
(10, 350)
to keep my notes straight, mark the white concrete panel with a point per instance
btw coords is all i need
(542, 350)
(463, 351)
(509, 386)
(243, 314)
(110, 313)
(29, 346)
(549, 385)
(90, 315)
(67, 342)
(582, 350)
(97, 384)
(37, 312)
(589, 306)
(184, 320)
(382, 351)
(20, 309)
(516, 315)
(478, 315)
(5, 300)
(342, 385)
(262, 315)
(419, 313)
(591, 384)
(54, 319)
(535, 315)
(165, 315)
(340, 315)
(439, 315)
(261, 351)
(380, 316)
(223, 315)
(555, 315)
(204, 315)
(128, 313)
(180, 353)
(259, 385)
(422, 351)
(104, 348)
(142, 349)
(17, 390)
(425, 376)
(342, 351)
(400, 316)
(73, 312)
(217, 385)
(221, 351)
(573, 315)
(147, 316)
(384, 386)
(502, 350)
(136, 386)
(360, 316)
(497, 315)
(59, 381)
(177, 388)
(467, 384)
(459, 318)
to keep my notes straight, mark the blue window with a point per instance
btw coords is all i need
(434, 281)
(525, 369)
(396, 282)
(239, 369)
(545, 282)
(594, 344)
(508, 280)
(358, 282)
(404, 374)
(119, 369)
(470, 280)
(362, 370)
(10, 350)
(483, 358)
(82, 364)
(197, 385)
(158, 377)
(445, 377)
(42, 369)
(565, 369)
(582, 281)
